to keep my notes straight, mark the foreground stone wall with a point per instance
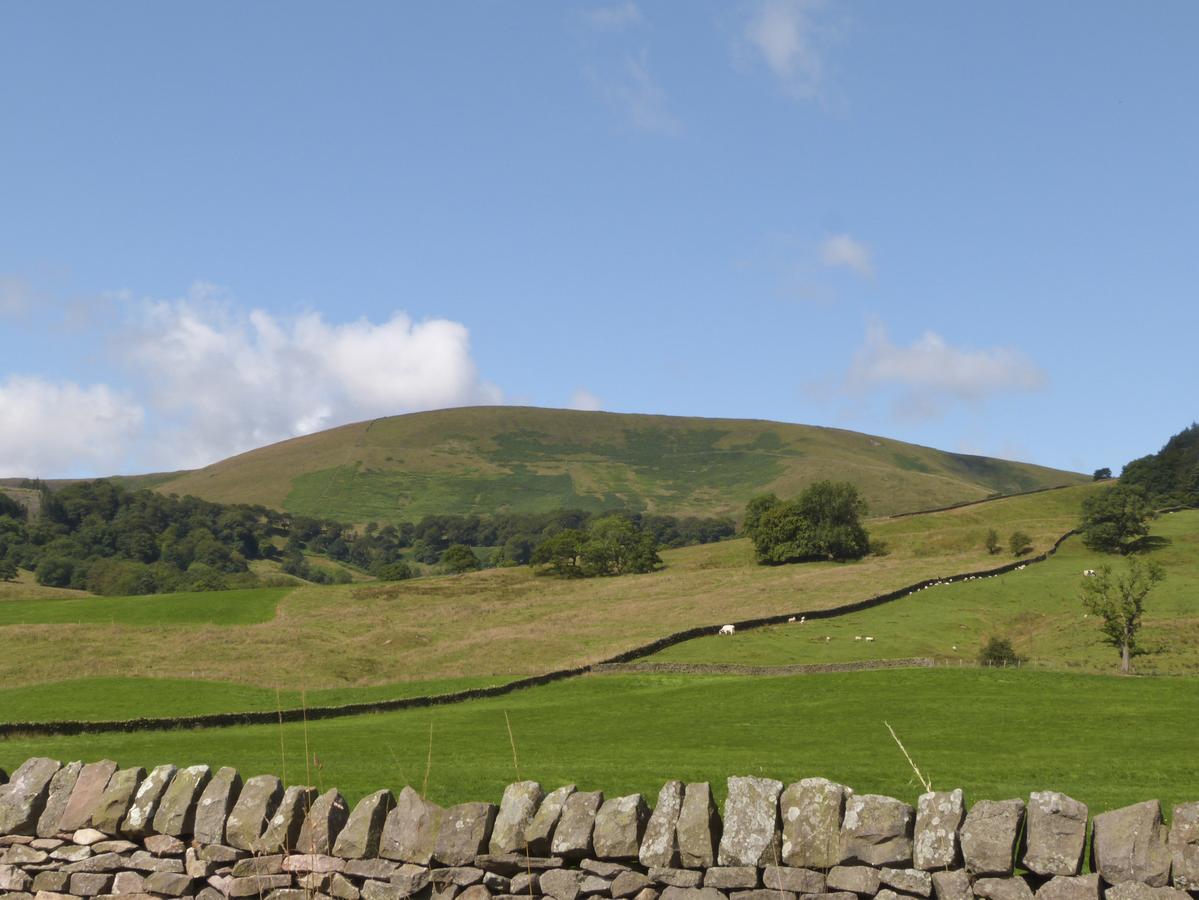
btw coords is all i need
(96, 830)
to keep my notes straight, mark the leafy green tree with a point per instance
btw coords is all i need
(425, 552)
(614, 547)
(559, 553)
(999, 652)
(55, 572)
(824, 522)
(1102, 474)
(1019, 543)
(992, 541)
(1114, 520)
(756, 508)
(395, 571)
(8, 570)
(459, 558)
(1119, 601)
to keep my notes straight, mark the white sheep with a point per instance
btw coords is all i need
(728, 629)
(869, 638)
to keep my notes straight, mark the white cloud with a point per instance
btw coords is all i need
(842, 251)
(16, 297)
(929, 373)
(227, 381)
(61, 428)
(785, 35)
(637, 97)
(614, 17)
(583, 399)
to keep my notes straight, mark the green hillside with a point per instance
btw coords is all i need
(517, 459)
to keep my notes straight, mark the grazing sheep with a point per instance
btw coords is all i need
(857, 637)
(728, 629)
(802, 619)
(1088, 573)
(790, 620)
(869, 638)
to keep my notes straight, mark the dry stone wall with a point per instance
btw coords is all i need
(99, 831)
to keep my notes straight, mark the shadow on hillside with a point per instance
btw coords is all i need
(1149, 543)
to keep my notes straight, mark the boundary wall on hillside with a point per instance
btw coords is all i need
(220, 720)
(95, 830)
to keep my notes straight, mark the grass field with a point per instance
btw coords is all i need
(1108, 741)
(490, 459)
(1037, 609)
(217, 608)
(102, 699)
(508, 622)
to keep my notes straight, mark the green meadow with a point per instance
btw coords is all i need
(241, 607)
(1038, 609)
(1106, 740)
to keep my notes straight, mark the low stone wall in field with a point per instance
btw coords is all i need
(96, 830)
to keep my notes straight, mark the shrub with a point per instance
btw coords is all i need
(998, 652)
(824, 522)
(459, 558)
(1020, 543)
(992, 541)
(396, 571)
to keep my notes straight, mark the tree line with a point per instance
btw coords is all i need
(105, 538)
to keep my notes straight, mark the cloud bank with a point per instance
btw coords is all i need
(929, 374)
(209, 379)
(783, 34)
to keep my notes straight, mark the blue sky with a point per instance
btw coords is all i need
(971, 226)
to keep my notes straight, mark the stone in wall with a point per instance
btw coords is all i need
(952, 884)
(110, 810)
(1129, 844)
(1055, 834)
(619, 827)
(699, 828)
(176, 813)
(539, 834)
(939, 814)
(360, 837)
(323, 824)
(23, 798)
(464, 833)
(988, 836)
(572, 837)
(1184, 846)
(256, 803)
(877, 831)
(57, 797)
(138, 822)
(751, 822)
(1070, 887)
(215, 804)
(283, 830)
(1135, 890)
(811, 811)
(410, 832)
(863, 880)
(517, 808)
(89, 788)
(793, 879)
(660, 844)
(1002, 889)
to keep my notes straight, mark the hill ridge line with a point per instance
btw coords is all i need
(224, 720)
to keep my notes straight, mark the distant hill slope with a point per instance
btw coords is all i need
(490, 459)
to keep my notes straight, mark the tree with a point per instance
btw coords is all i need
(1102, 474)
(992, 541)
(394, 571)
(459, 558)
(824, 522)
(8, 570)
(558, 554)
(1114, 520)
(1019, 543)
(1119, 600)
(999, 652)
(615, 547)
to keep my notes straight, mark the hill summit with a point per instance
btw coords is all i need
(526, 459)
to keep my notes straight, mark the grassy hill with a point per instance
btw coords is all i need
(491, 459)
(499, 622)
